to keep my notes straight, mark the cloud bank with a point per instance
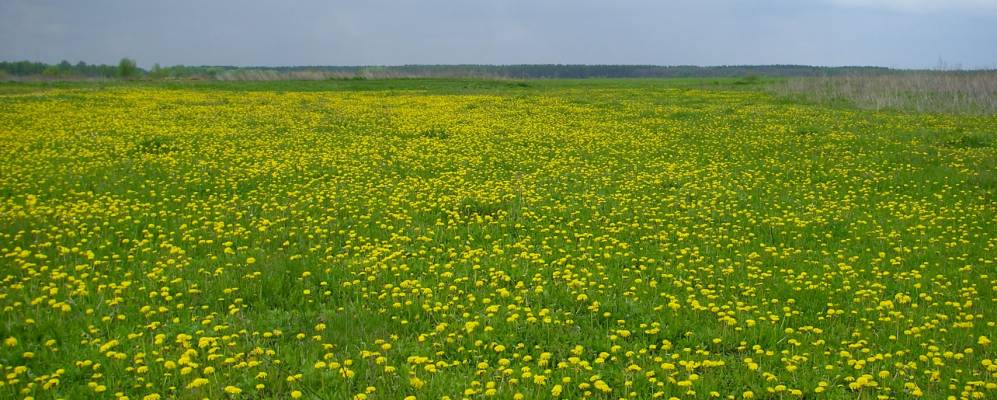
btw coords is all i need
(892, 33)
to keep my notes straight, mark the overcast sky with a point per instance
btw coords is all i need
(892, 33)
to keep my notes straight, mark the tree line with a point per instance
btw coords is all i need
(127, 68)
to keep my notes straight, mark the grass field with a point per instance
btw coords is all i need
(471, 239)
(950, 92)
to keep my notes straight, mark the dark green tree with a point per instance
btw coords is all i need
(127, 68)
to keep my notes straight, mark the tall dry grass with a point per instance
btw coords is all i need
(275, 75)
(249, 74)
(959, 92)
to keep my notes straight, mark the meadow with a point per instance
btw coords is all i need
(469, 239)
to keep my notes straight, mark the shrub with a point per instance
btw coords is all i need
(127, 68)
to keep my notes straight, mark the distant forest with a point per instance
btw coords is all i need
(127, 69)
(64, 68)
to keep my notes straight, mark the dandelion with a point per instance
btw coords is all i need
(623, 240)
(197, 382)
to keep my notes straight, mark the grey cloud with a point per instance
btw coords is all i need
(898, 33)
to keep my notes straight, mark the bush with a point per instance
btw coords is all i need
(127, 68)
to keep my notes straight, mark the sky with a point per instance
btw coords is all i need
(889, 33)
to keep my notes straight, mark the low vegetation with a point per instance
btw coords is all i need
(434, 239)
(963, 92)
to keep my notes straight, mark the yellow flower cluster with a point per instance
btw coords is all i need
(625, 240)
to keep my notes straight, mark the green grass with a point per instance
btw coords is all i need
(653, 235)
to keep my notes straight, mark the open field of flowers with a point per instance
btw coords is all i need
(509, 241)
